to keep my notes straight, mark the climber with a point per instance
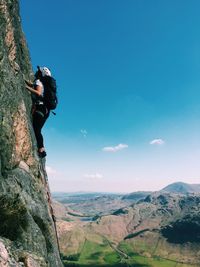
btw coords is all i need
(40, 111)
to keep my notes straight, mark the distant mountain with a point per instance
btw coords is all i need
(135, 196)
(90, 204)
(182, 188)
(79, 197)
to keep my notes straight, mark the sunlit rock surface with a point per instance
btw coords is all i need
(27, 232)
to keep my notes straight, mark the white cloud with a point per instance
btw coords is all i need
(94, 176)
(115, 148)
(51, 171)
(84, 132)
(157, 142)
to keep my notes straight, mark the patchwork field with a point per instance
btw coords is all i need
(104, 255)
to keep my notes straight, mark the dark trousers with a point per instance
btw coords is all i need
(40, 115)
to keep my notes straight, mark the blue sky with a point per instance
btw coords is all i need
(128, 73)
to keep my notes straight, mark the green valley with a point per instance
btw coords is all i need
(103, 255)
(162, 229)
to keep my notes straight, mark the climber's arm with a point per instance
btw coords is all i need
(37, 90)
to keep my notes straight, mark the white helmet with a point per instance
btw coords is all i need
(45, 71)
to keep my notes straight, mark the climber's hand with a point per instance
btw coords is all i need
(29, 83)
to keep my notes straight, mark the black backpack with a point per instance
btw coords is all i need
(50, 92)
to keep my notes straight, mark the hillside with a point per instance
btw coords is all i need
(136, 196)
(152, 229)
(27, 232)
(182, 188)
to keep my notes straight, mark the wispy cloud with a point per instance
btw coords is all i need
(95, 176)
(51, 171)
(157, 141)
(115, 148)
(84, 132)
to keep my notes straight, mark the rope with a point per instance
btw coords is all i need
(46, 184)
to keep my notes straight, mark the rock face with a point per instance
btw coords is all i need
(27, 232)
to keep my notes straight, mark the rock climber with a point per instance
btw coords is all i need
(40, 112)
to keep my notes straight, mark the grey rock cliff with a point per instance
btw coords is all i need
(27, 232)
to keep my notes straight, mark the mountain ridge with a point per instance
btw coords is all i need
(174, 184)
(181, 187)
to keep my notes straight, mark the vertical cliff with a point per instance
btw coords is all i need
(27, 233)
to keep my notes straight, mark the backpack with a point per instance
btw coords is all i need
(50, 92)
